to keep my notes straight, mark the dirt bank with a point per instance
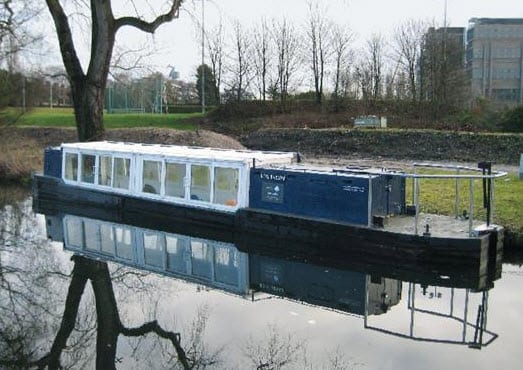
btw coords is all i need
(392, 144)
(22, 148)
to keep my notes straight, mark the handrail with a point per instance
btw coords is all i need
(375, 171)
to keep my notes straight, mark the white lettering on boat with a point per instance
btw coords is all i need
(273, 177)
(354, 189)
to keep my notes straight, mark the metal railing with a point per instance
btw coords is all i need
(484, 173)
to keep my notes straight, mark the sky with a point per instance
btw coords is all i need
(178, 43)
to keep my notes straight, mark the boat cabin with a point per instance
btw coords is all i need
(203, 177)
(356, 196)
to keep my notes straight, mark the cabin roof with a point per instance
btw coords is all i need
(183, 151)
(364, 172)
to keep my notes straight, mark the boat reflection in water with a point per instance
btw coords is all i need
(350, 287)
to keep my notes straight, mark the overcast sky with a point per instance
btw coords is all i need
(177, 43)
(364, 17)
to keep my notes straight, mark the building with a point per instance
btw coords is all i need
(441, 68)
(494, 59)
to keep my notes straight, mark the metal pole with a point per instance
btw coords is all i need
(493, 181)
(471, 204)
(457, 195)
(486, 310)
(412, 310)
(367, 280)
(465, 315)
(451, 301)
(203, 58)
(416, 205)
(51, 94)
(23, 94)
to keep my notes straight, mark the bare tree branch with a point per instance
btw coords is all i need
(150, 27)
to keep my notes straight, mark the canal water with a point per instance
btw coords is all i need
(302, 315)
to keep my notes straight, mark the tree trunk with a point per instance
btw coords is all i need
(108, 319)
(88, 100)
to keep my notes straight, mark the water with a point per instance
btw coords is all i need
(323, 327)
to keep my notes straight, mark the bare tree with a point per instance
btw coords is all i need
(215, 47)
(287, 46)
(88, 87)
(341, 43)
(370, 69)
(318, 34)
(240, 68)
(408, 40)
(262, 56)
(16, 33)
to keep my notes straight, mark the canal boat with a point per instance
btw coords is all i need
(261, 193)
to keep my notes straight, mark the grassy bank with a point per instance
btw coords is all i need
(438, 196)
(63, 117)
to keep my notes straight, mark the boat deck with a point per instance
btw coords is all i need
(439, 225)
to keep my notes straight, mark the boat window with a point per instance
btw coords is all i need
(153, 249)
(88, 167)
(121, 172)
(200, 183)
(107, 238)
(201, 258)
(75, 235)
(71, 166)
(174, 180)
(124, 245)
(226, 186)
(92, 235)
(105, 171)
(176, 253)
(152, 173)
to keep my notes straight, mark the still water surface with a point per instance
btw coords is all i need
(235, 332)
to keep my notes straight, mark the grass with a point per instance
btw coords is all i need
(438, 196)
(64, 117)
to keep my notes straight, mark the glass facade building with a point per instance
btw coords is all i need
(494, 59)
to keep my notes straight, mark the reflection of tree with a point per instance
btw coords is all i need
(31, 279)
(26, 273)
(275, 351)
(109, 325)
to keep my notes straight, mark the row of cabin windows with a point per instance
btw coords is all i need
(164, 251)
(219, 186)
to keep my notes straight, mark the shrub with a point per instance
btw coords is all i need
(512, 120)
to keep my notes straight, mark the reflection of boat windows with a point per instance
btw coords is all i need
(226, 186)
(107, 239)
(226, 265)
(124, 242)
(176, 253)
(201, 259)
(71, 166)
(105, 170)
(121, 173)
(75, 235)
(88, 168)
(200, 183)
(174, 180)
(92, 236)
(152, 173)
(153, 249)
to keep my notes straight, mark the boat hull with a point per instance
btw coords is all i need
(294, 236)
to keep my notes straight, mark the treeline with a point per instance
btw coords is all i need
(33, 90)
(298, 112)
